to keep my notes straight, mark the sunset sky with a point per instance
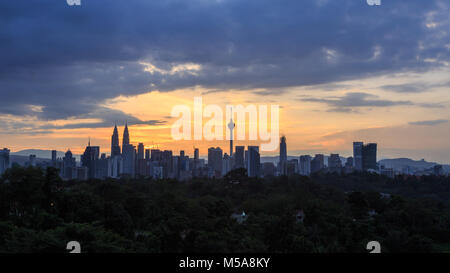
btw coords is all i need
(341, 71)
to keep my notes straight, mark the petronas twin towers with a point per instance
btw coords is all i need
(115, 147)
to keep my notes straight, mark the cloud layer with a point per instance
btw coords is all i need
(61, 62)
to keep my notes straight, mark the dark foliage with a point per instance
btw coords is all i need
(41, 213)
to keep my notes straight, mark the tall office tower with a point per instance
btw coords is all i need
(181, 153)
(349, 162)
(147, 154)
(305, 165)
(129, 160)
(53, 158)
(317, 164)
(231, 126)
(126, 136)
(291, 167)
(140, 153)
(115, 166)
(348, 168)
(239, 157)
(4, 160)
(282, 166)
(246, 160)
(226, 164)
(68, 164)
(166, 162)
(215, 156)
(196, 154)
(369, 156)
(141, 165)
(334, 163)
(358, 155)
(89, 159)
(283, 149)
(115, 147)
(254, 161)
(102, 167)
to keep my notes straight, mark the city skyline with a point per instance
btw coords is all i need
(350, 72)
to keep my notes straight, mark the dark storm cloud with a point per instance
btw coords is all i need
(413, 87)
(68, 60)
(352, 100)
(430, 122)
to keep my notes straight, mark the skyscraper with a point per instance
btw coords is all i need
(129, 160)
(282, 166)
(305, 165)
(239, 157)
(369, 154)
(54, 157)
(317, 164)
(254, 161)
(115, 147)
(126, 136)
(140, 152)
(364, 156)
(215, 157)
(283, 149)
(358, 156)
(231, 126)
(90, 158)
(196, 154)
(68, 164)
(334, 163)
(4, 160)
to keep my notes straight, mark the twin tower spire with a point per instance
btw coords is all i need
(115, 147)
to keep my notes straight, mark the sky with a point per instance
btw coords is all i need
(341, 71)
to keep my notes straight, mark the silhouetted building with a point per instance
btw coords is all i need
(254, 161)
(89, 159)
(129, 160)
(317, 164)
(101, 171)
(282, 166)
(53, 158)
(358, 155)
(349, 165)
(126, 136)
(370, 156)
(115, 147)
(291, 167)
(389, 172)
(305, 165)
(215, 161)
(140, 154)
(334, 163)
(4, 160)
(115, 166)
(239, 157)
(226, 164)
(69, 163)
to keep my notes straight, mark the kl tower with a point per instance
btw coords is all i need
(231, 126)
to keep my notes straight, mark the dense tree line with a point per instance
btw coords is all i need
(41, 213)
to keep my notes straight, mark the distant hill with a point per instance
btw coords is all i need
(42, 154)
(21, 159)
(400, 163)
(276, 159)
(39, 153)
